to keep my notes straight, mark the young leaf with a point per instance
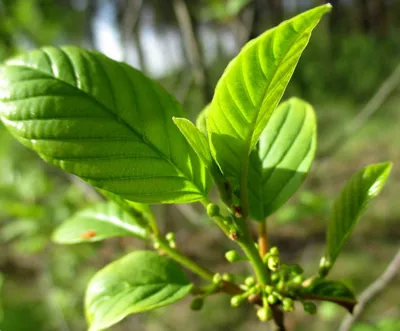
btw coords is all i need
(327, 290)
(104, 220)
(196, 139)
(102, 121)
(250, 89)
(201, 120)
(348, 207)
(283, 158)
(138, 282)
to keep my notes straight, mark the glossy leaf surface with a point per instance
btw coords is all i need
(138, 282)
(250, 89)
(351, 202)
(102, 121)
(283, 158)
(104, 220)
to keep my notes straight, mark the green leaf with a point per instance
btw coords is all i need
(201, 120)
(348, 207)
(283, 158)
(102, 121)
(102, 221)
(138, 282)
(327, 290)
(196, 139)
(250, 89)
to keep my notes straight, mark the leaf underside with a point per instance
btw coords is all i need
(283, 158)
(138, 282)
(102, 121)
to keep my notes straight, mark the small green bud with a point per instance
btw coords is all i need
(266, 257)
(297, 279)
(249, 281)
(273, 263)
(197, 304)
(268, 289)
(324, 266)
(309, 307)
(170, 236)
(272, 299)
(232, 256)
(253, 290)
(212, 210)
(274, 251)
(281, 285)
(236, 300)
(264, 314)
(227, 277)
(217, 279)
(275, 278)
(156, 245)
(287, 304)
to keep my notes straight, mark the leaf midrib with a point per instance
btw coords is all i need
(112, 115)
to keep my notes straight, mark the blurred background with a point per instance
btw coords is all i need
(350, 72)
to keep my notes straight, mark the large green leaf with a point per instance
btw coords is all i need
(104, 220)
(138, 282)
(348, 207)
(102, 121)
(283, 158)
(250, 89)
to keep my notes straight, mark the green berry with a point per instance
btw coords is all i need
(309, 307)
(297, 279)
(287, 304)
(275, 278)
(197, 304)
(249, 281)
(212, 210)
(233, 256)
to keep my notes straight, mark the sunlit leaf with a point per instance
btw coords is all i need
(104, 220)
(250, 89)
(283, 157)
(348, 207)
(102, 121)
(138, 282)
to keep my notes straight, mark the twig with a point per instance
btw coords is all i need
(262, 239)
(372, 291)
(372, 106)
(278, 317)
(192, 47)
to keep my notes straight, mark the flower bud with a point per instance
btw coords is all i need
(264, 314)
(236, 300)
(233, 256)
(274, 251)
(227, 277)
(197, 304)
(170, 236)
(287, 304)
(309, 307)
(212, 210)
(268, 289)
(249, 281)
(217, 279)
(272, 299)
(324, 266)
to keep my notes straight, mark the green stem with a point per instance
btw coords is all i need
(153, 225)
(183, 260)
